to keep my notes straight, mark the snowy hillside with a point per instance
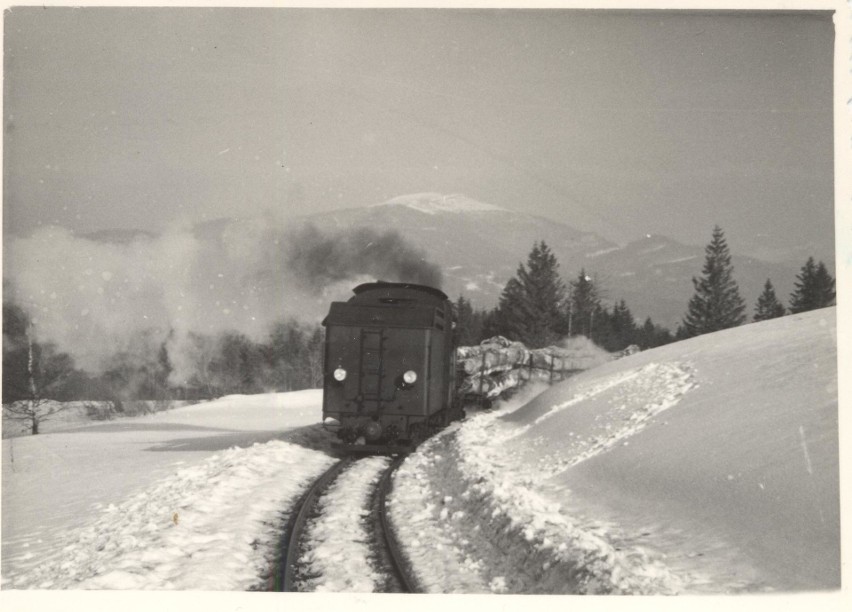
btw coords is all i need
(432, 203)
(705, 466)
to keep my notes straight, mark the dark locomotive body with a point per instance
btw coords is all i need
(389, 366)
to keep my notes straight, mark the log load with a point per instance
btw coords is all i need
(498, 365)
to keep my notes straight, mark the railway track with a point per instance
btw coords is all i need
(385, 547)
(401, 580)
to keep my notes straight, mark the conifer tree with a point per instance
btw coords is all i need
(651, 335)
(768, 306)
(545, 295)
(717, 303)
(603, 333)
(814, 288)
(623, 324)
(469, 323)
(825, 285)
(582, 306)
(511, 315)
(530, 307)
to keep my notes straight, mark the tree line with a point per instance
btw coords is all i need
(535, 307)
(717, 303)
(538, 308)
(289, 358)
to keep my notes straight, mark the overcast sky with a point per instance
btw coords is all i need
(620, 123)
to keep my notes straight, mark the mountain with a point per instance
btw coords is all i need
(117, 236)
(479, 247)
(654, 276)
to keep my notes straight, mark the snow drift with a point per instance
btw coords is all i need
(193, 498)
(708, 466)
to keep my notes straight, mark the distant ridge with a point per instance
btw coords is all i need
(117, 236)
(432, 203)
(479, 247)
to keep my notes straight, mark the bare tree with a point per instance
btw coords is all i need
(44, 371)
(315, 358)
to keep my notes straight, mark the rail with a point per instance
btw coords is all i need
(297, 525)
(397, 560)
(386, 543)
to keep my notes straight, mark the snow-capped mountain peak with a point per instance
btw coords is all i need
(433, 203)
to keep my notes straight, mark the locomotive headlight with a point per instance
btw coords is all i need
(339, 375)
(410, 377)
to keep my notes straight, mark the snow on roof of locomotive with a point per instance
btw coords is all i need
(384, 289)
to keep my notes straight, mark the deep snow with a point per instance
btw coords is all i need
(707, 466)
(67, 493)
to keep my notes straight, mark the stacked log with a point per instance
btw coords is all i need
(495, 360)
(498, 365)
(490, 386)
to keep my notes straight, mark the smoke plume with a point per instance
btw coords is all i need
(322, 259)
(95, 299)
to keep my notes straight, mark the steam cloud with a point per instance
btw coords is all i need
(324, 259)
(94, 299)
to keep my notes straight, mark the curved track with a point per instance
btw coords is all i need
(300, 518)
(395, 559)
(386, 545)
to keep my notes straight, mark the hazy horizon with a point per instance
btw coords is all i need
(621, 122)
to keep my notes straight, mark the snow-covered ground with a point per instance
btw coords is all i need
(121, 504)
(706, 466)
(338, 558)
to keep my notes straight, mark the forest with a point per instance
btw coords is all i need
(536, 307)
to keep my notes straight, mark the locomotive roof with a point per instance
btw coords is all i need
(390, 288)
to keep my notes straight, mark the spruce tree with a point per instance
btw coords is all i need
(510, 316)
(582, 305)
(623, 324)
(651, 335)
(825, 286)
(545, 295)
(530, 307)
(768, 306)
(468, 323)
(717, 303)
(814, 288)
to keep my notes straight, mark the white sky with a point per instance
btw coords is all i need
(624, 123)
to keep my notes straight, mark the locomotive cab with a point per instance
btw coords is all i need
(389, 366)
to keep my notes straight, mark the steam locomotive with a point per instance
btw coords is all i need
(389, 367)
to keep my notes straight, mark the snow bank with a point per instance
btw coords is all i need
(213, 526)
(738, 482)
(65, 494)
(494, 532)
(706, 466)
(418, 510)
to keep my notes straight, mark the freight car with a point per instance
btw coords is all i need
(389, 367)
